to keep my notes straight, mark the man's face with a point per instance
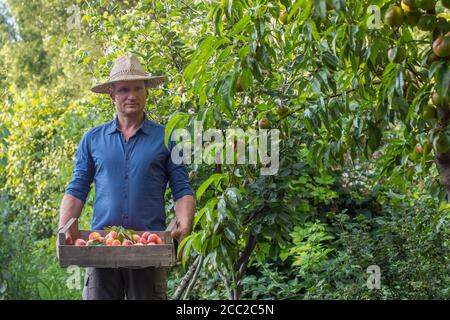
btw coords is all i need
(129, 97)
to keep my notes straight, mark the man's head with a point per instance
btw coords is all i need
(129, 97)
(127, 69)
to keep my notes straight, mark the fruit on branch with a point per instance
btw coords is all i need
(264, 123)
(408, 5)
(283, 17)
(429, 113)
(419, 149)
(441, 46)
(439, 101)
(394, 17)
(282, 111)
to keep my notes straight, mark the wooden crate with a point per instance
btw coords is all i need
(162, 255)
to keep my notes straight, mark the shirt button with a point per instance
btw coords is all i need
(126, 177)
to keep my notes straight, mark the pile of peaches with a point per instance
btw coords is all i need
(115, 238)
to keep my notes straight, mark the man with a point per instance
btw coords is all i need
(131, 166)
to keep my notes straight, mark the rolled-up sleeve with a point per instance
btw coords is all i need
(178, 177)
(83, 171)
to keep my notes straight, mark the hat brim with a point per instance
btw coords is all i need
(150, 82)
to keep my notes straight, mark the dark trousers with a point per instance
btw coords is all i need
(120, 283)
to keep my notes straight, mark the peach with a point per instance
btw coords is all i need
(109, 241)
(154, 238)
(138, 244)
(80, 242)
(112, 234)
(116, 242)
(143, 240)
(94, 236)
(145, 234)
(151, 244)
(136, 238)
(127, 242)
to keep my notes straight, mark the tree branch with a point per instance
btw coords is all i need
(189, 7)
(325, 98)
(184, 282)
(194, 278)
(227, 284)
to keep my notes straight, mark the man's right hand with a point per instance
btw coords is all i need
(70, 208)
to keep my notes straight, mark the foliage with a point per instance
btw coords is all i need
(351, 188)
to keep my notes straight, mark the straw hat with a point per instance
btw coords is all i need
(127, 68)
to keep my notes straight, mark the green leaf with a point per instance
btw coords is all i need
(374, 136)
(177, 121)
(321, 8)
(240, 25)
(230, 235)
(443, 79)
(246, 79)
(227, 100)
(184, 243)
(215, 178)
(305, 14)
(197, 243)
(211, 203)
(293, 10)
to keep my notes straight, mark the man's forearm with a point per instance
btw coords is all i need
(185, 211)
(71, 207)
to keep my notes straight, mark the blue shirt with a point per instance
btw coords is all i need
(130, 176)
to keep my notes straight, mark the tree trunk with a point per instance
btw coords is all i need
(443, 159)
(186, 279)
(443, 163)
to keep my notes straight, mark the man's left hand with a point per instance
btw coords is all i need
(180, 232)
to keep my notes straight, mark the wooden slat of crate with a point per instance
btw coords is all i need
(116, 256)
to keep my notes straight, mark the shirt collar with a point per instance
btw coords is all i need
(144, 127)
